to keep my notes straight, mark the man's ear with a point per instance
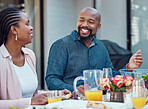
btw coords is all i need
(14, 30)
(99, 26)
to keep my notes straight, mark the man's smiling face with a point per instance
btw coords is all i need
(87, 24)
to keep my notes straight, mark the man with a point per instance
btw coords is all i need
(69, 56)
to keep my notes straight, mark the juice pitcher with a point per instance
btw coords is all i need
(93, 80)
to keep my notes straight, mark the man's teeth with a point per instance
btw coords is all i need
(84, 30)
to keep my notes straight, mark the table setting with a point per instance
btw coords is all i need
(131, 83)
(77, 104)
(80, 104)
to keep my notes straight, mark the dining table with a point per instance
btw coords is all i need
(80, 104)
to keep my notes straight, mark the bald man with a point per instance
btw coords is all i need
(79, 51)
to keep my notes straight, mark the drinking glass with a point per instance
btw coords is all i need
(107, 73)
(92, 84)
(127, 72)
(138, 93)
(106, 76)
(54, 96)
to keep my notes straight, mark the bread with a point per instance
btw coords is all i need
(95, 105)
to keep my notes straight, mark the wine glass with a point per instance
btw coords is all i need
(107, 73)
(106, 81)
(138, 93)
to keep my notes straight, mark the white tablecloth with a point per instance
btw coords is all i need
(80, 104)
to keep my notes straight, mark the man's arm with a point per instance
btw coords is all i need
(108, 63)
(57, 62)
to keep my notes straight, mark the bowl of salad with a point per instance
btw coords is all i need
(142, 74)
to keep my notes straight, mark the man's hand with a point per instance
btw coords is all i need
(65, 91)
(81, 89)
(135, 61)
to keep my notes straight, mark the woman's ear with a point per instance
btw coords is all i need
(14, 30)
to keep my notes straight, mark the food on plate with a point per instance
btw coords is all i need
(66, 96)
(52, 100)
(95, 105)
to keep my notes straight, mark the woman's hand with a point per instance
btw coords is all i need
(41, 99)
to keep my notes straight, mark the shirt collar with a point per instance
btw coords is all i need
(75, 38)
(5, 52)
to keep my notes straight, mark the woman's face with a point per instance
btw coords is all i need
(24, 30)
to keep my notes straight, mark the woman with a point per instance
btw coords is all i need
(18, 79)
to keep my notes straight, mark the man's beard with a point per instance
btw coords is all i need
(90, 36)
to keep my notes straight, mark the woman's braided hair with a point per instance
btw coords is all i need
(8, 17)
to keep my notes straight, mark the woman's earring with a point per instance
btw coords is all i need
(16, 37)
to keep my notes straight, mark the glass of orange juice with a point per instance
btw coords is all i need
(93, 80)
(53, 96)
(93, 95)
(138, 94)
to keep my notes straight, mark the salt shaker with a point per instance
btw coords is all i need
(128, 101)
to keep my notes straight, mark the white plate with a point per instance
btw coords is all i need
(80, 104)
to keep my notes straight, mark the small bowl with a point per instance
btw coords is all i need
(134, 72)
